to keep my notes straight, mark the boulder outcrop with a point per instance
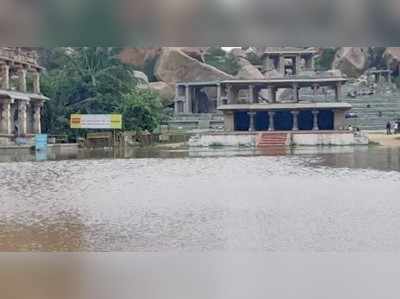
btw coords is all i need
(166, 92)
(139, 56)
(351, 61)
(173, 65)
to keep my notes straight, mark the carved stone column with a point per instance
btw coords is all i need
(36, 82)
(295, 92)
(188, 100)
(22, 117)
(251, 94)
(5, 125)
(338, 92)
(22, 79)
(295, 120)
(281, 65)
(37, 108)
(252, 126)
(5, 69)
(315, 122)
(271, 115)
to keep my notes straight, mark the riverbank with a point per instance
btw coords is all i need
(385, 140)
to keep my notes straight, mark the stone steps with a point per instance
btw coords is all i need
(272, 139)
(374, 111)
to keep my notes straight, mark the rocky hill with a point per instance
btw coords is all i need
(163, 67)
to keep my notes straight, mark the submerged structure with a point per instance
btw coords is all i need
(21, 100)
(293, 108)
(254, 105)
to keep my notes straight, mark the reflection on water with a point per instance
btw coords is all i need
(328, 199)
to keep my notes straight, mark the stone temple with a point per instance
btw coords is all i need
(21, 100)
(297, 100)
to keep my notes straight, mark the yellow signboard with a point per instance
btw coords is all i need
(96, 121)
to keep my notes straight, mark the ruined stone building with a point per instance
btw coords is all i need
(21, 100)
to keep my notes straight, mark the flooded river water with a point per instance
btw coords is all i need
(336, 199)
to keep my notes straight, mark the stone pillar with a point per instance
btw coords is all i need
(295, 120)
(22, 118)
(297, 65)
(252, 126)
(272, 94)
(229, 94)
(281, 65)
(188, 100)
(338, 92)
(315, 89)
(295, 92)
(176, 101)
(36, 82)
(315, 116)
(22, 79)
(271, 115)
(6, 76)
(37, 127)
(219, 95)
(251, 94)
(5, 125)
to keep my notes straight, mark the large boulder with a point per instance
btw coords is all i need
(392, 57)
(195, 52)
(247, 71)
(139, 56)
(352, 61)
(174, 66)
(166, 92)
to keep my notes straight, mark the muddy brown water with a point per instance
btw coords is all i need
(304, 199)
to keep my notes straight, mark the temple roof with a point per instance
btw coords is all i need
(16, 95)
(285, 106)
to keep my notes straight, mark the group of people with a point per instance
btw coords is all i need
(393, 127)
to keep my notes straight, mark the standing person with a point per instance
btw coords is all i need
(395, 127)
(388, 128)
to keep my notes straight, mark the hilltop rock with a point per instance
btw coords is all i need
(174, 66)
(351, 61)
(139, 56)
(195, 52)
(166, 92)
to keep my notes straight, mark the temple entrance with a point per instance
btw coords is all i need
(306, 120)
(283, 121)
(326, 120)
(242, 121)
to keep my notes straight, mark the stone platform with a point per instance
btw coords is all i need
(291, 138)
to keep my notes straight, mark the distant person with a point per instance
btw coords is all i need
(388, 128)
(396, 127)
(350, 128)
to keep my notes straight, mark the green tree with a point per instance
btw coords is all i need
(141, 110)
(88, 80)
(325, 60)
(218, 58)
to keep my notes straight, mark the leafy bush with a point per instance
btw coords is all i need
(226, 62)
